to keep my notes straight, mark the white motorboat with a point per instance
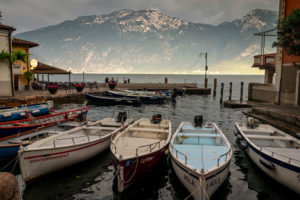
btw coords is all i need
(68, 148)
(200, 157)
(273, 151)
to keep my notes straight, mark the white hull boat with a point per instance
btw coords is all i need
(200, 157)
(67, 148)
(273, 151)
(138, 149)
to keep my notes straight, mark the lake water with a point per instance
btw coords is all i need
(93, 179)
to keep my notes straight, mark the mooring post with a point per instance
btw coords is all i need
(205, 82)
(230, 90)
(242, 91)
(215, 86)
(222, 92)
(128, 81)
(166, 80)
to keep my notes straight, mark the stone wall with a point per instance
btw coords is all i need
(261, 92)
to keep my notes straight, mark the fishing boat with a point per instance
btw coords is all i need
(113, 99)
(25, 126)
(137, 149)
(68, 148)
(9, 148)
(273, 151)
(142, 97)
(17, 113)
(200, 157)
(165, 94)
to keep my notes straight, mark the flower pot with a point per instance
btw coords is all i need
(52, 90)
(112, 85)
(79, 88)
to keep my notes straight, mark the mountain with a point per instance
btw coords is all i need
(143, 41)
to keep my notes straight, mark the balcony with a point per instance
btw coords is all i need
(266, 61)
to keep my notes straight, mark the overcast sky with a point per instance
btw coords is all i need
(26, 15)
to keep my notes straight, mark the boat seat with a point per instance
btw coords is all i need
(192, 129)
(209, 135)
(149, 130)
(194, 155)
(100, 128)
(257, 131)
(267, 137)
(154, 125)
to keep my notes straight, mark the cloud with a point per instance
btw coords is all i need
(27, 15)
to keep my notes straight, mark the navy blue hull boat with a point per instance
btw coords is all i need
(113, 99)
(143, 98)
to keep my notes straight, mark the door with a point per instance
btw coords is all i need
(16, 83)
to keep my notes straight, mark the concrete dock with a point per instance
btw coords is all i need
(39, 96)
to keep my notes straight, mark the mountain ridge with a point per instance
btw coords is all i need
(128, 41)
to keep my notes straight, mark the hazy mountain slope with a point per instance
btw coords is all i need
(128, 41)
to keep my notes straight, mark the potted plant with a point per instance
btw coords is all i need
(79, 87)
(112, 84)
(28, 75)
(52, 88)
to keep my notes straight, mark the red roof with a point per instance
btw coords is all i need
(24, 42)
(2, 26)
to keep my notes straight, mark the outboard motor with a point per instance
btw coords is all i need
(81, 117)
(198, 120)
(156, 119)
(122, 116)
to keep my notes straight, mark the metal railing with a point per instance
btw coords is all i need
(274, 153)
(72, 138)
(148, 145)
(176, 153)
(225, 154)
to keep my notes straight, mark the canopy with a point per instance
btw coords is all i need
(47, 69)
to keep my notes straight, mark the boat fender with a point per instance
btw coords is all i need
(6, 114)
(267, 164)
(127, 164)
(58, 123)
(239, 136)
(36, 111)
(22, 114)
(244, 144)
(166, 151)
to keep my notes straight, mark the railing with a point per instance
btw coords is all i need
(265, 59)
(273, 153)
(72, 138)
(176, 153)
(225, 154)
(148, 145)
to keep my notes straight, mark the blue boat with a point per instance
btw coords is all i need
(142, 97)
(200, 157)
(113, 99)
(17, 113)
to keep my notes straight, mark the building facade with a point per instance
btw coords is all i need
(6, 72)
(285, 89)
(20, 67)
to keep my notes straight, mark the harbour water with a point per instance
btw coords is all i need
(93, 179)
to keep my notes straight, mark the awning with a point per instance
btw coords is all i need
(47, 69)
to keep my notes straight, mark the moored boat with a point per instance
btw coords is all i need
(200, 157)
(68, 148)
(142, 97)
(113, 99)
(17, 113)
(137, 149)
(9, 148)
(273, 151)
(25, 126)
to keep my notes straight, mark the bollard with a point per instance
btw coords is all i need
(128, 81)
(230, 91)
(222, 91)
(166, 80)
(215, 86)
(242, 91)
(205, 82)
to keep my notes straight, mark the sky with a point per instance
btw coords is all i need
(27, 15)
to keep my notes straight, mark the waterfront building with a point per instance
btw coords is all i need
(20, 67)
(6, 72)
(285, 89)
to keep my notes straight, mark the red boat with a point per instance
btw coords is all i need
(16, 128)
(137, 149)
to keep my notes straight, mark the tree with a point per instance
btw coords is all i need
(14, 56)
(289, 34)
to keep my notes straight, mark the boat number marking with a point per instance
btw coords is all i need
(189, 180)
(48, 157)
(214, 182)
(146, 159)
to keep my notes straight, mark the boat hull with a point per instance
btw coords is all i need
(41, 162)
(143, 99)
(191, 179)
(284, 173)
(130, 170)
(9, 151)
(113, 100)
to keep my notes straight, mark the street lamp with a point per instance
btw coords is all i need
(70, 71)
(83, 71)
(206, 67)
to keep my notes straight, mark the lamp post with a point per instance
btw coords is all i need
(70, 70)
(83, 71)
(206, 68)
